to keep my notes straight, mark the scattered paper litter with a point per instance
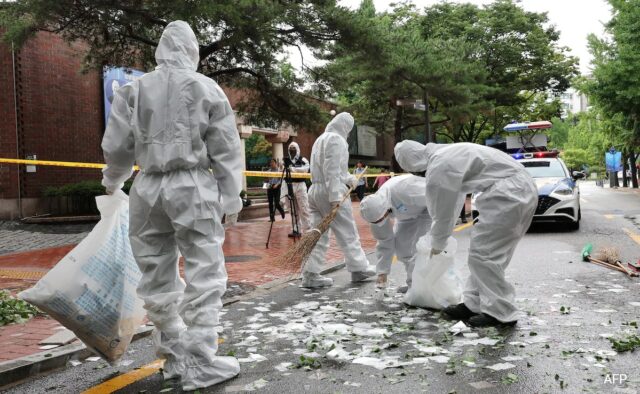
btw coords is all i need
(339, 354)
(257, 385)
(252, 358)
(481, 385)
(605, 311)
(48, 347)
(634, 303)
(378, 363)
(124, 363)
(500, 366)
(512, 358)
(92, 358)
(470, 335)
(618, 290)
(459, 328)
(309, 305)
(75, 363)
(262, 309)
(406, 320)
(537, 339)
(354, 384)
(439, 359)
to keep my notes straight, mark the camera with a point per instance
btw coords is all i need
(287, 162)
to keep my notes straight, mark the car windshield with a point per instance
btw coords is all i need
(544, 168)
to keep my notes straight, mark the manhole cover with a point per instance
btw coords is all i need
(241, 258)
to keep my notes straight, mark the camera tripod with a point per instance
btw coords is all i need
(286, 176)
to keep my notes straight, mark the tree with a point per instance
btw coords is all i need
(470, 65)
(518, 52)
(614, 86)
(235, 49)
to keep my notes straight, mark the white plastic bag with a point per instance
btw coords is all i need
(92, 290)
(435, 283)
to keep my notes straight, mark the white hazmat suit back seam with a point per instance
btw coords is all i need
(177, 124)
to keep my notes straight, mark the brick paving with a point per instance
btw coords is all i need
(244, 242)
(18, 237)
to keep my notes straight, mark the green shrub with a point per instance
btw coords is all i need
(13, 310)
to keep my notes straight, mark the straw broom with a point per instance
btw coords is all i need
(297, 254)
(611, 255)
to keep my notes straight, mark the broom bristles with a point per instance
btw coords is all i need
(608, 255)
(296, 256)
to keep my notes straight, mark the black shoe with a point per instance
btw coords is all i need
(282, 213)
(463, 221)
(294, 234)
(484, 320)
(459, 312)
(272, 219)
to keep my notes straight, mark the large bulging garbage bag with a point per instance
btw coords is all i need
(92, 290)
(435, 282)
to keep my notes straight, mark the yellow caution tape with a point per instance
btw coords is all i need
(262, 174)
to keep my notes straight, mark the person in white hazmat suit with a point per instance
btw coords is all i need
(300, 165)
(177, 124)
(329, 179)
(403, 199)
(507, 204)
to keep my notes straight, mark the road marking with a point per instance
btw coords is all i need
(126, 379)
(609, 216)
(632, 235)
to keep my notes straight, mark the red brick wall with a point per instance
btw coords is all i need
(61, 111)
(8, 172)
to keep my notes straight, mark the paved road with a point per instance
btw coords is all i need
(548, 351)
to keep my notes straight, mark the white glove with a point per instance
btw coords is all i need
(353, 181)
(230, 220)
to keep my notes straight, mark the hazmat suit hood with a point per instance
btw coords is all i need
(341, 124)
(413, 156)
(295, 146)
(178, 47)
(375, 206)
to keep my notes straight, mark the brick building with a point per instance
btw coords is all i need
(51, 110)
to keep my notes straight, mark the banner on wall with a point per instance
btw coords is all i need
(113, 79)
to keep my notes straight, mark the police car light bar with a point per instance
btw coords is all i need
(544, 124)
(534, 155)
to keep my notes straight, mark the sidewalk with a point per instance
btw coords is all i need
(249, 264)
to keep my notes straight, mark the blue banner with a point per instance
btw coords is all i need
(613, 160)
(113, 79)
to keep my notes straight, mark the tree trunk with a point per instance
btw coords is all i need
(397, 137)
(427, 120)
(625, 159)
(634, 171)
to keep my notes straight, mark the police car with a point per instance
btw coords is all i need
(558, 192)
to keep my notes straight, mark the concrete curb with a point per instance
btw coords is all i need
(14, 371)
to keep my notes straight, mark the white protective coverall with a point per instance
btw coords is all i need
(176, 124)
(405, 196)
(507, 204)
(300, 165)
(330, 177)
